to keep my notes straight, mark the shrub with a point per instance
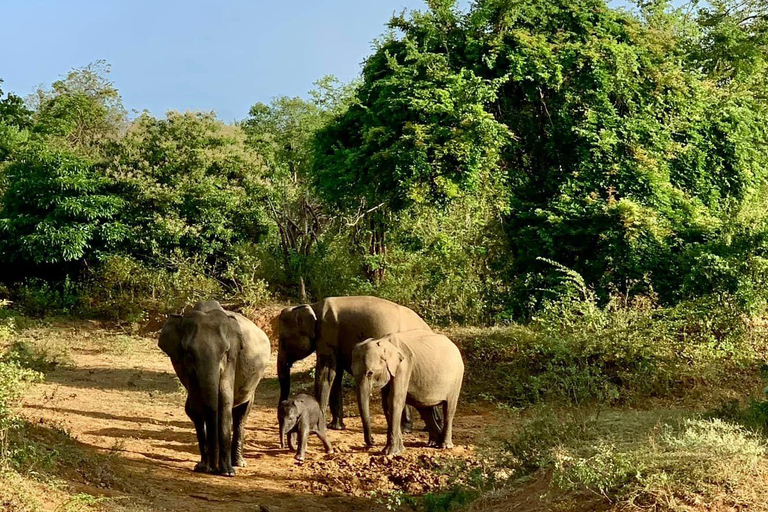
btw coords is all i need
(13, 378)
(122, 288)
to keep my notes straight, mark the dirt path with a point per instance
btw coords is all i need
(118, 395)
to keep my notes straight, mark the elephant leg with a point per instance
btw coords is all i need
(198, 418)
(239, 417)
(322, 434)
(433, 427)
(303, 435)
(408, 419)
(396, 401)
(325, 374)
(337, 401)
(385, 402)
(449, 411)
(225, 435)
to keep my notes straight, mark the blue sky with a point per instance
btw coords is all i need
(192, 54)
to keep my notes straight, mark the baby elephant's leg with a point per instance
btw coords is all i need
(292, 436)
(303, 435)
(323, 435)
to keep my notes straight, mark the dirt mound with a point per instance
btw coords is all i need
(359, 476)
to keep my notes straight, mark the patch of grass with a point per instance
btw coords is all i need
(622, 354)
(642, 460)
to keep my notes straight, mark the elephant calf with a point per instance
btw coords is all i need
(301, 415)
(219, 357)
(420, 368)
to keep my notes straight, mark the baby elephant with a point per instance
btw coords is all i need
(301, 415)
(418, 368)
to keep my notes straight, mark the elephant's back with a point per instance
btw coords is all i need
(430, 349)
(362, 317)
(437, 367)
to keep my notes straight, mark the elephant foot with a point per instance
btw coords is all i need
(299, 457)
(407, 428)
(227, 472)
(433, 444)
(329, 451)
(337, 424)
(203, 467)
(369, 441)
(240, 462)
(446, 445)
(393, 449)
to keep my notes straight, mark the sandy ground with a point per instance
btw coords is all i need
(118, 395)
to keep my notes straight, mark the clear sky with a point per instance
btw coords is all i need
(220, 55)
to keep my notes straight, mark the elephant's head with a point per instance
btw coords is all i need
(287, 417)
(374, 364)
(198, 344)
(297, 341)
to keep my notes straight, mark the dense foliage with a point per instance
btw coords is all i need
(480, 154)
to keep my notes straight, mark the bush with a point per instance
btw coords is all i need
(122, 288)
(37, 297)
(577, 351)
(13, 378)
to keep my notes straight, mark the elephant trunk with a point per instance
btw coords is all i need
(284, 377)
(364, 401)
(209, 387)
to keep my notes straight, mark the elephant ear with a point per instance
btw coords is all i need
(170, 337)
(393, 356)
(306, 319)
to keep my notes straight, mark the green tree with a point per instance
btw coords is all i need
(83, 110)
(57, 208)
(192, 186)
(283, 133)
(15, 118)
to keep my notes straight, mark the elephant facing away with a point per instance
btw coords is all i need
(418, 368)
(333, 327)
(219, 357)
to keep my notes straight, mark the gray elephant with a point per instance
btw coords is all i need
(220, 357)
(333, 327)
(420, 368)
(301, 416)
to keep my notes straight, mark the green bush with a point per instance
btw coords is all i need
(13, 378)
(578, 351)
(37, 297)
(122, 288)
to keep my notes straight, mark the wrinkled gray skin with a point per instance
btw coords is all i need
(420, 368)
(301, 416)
(333, 327)
(219, 356)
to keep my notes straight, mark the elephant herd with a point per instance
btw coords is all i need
(220, 357)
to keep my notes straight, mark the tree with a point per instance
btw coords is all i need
(15, 118)
(191, 185)
(83, 110)
(283, 132)
(419, 130)
(57, 208)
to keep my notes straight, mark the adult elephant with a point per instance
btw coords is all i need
(420, 368)
(220, 357)
(333, 327)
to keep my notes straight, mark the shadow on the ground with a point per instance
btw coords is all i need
(127, 379)
(158, 483)
(108, 416)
